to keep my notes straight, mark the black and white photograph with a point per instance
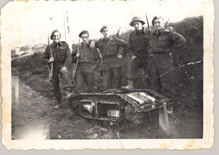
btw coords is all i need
(107, 74)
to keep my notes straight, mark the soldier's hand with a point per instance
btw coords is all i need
(133, 57)
(119, 56)
(94, 66)
(92, 44)
(64, 70)
(77, 55)
(171, 55)
(51, 60)
(150, 55)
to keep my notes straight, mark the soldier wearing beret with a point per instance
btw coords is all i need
(111, 65)
(87, 58)
(61, 59)
(163, 43)
(138, 51)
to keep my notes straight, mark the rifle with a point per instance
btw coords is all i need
(117, 34)
(76, 64)
(51, 64)
(167, 23)
(147, 71)
(147, 20)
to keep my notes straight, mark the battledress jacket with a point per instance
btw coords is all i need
(87, 54)
(112, 48)
(61, 54)
(88, 58)
(165, 41)
(139, 43)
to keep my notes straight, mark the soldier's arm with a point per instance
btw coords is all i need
(96, 55)
(124, 44)
(46, 55)
(178, 40)
(149, 48)
(130, 48)
(73, 55)
(68, 59)
(96, 59)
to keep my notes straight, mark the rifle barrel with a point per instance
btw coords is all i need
(147, 21)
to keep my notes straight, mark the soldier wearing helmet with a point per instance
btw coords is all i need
(138, 51)
(164, 41)
(61, 59)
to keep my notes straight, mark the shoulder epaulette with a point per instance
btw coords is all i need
(63, 43)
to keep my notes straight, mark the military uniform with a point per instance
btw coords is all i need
(138, 51)
(112, 65)
(62, 58)
(138, 46)
(86, 66)
(161, 66)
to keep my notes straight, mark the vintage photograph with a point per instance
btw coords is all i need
(107, 70)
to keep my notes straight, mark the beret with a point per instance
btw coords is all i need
(83, 32)
(156, 17)
(102, 28)
(54, 31)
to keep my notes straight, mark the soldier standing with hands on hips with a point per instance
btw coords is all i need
(111, 65)
(59, 54)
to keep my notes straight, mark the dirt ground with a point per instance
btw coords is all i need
(33, 116)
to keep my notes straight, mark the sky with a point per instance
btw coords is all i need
(30, 23)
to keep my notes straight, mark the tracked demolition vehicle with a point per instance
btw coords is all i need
(115, 107)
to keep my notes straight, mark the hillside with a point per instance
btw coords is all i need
(27, 50)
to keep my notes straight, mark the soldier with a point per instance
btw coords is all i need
(111, 65)
(87, 58)
(138, 51)
(61, 59)
(163, 43)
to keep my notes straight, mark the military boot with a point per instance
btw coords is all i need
(129, 86)
(58, 104)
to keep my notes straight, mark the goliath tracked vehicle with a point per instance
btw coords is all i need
(115, 107)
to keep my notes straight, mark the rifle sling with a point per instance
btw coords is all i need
(104, 51)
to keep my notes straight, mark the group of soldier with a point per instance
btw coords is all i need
(150, 49)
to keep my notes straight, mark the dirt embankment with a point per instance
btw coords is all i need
(33, 116)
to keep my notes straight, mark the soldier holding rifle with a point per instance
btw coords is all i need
(111, 65)
(85, 57)
(58, 56)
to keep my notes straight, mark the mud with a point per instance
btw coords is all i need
(34, 117)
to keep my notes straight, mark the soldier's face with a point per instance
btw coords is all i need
(85, 38)
(105, 33)
(137, 25)
(56, 37)
(159, 24)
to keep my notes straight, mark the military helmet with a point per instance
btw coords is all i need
(136, 19)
